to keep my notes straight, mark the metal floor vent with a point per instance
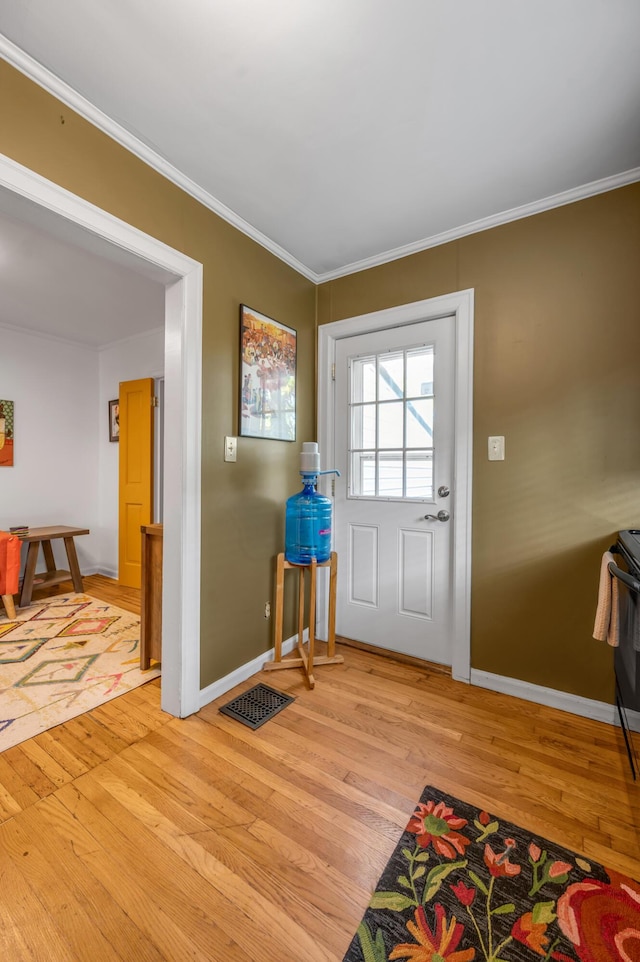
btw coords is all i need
(256, 706)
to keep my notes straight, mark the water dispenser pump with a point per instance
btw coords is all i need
(308, 514)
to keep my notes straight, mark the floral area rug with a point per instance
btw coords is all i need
(463, 886)
(60, 658)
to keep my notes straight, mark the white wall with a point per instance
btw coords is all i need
(65, 468)
(127, 360)
(54, 480)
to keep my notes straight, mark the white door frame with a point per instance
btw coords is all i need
(183, 376)
(460, 306)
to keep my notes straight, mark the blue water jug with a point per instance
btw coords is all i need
(308, 526)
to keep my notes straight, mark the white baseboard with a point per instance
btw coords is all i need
(575, 704)
(217, 688)
(99, 570)
(586, 707)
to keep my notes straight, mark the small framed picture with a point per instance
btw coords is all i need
(267, 377)
(114, 420)
(6, 434)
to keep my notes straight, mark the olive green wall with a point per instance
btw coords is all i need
(557, 371)
(242, 503)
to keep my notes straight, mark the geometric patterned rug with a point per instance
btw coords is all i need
(62, 657)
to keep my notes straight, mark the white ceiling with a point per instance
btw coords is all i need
(59, 280)
(343, 131)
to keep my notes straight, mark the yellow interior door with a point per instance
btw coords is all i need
(136, 475)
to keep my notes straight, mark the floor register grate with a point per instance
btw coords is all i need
(256, 706)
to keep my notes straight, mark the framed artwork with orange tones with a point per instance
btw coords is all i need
(267, 377)
(114, 420)
(6, 434)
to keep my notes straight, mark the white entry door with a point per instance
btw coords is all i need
(394, 423)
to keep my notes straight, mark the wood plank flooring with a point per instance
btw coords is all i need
(129, 835)
(98, 586)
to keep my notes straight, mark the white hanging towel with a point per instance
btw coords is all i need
(606, 627)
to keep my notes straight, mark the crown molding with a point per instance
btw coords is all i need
(75, 342)
(62, 91)
(67, 95)
(486, 223)
(131, 337)
(46, 336)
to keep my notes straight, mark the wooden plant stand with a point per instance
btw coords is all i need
(306, 660)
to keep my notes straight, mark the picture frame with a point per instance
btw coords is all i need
(268, 372)
(7, 418)
(114, 420)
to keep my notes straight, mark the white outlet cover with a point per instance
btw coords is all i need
(496, 448)
(230, 449)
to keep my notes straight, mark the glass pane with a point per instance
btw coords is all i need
(363, 426)
(363, 379)
(391, 377)
(420, 423)
(420, 474)
(363, 474)
(420, 372)
(390, 475)
(390, 426)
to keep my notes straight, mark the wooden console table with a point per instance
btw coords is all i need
(151, 597)
(52, 576)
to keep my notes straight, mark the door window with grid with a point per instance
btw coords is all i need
(391, 408)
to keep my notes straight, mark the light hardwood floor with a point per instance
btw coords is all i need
(99, 586)
(130, 835)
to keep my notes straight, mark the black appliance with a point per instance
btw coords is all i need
(627, 654)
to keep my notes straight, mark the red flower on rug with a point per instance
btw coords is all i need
(602, 921)
(439, 945)
(464, 894)
(498, 862)
(435, 824)
(532, 930)
(533, 934)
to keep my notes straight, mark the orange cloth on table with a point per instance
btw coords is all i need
(9, 563)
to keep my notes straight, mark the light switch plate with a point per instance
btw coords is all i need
(496, 448)
(230, 449)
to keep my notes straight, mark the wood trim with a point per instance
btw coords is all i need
(183, 417)
(460, 305)
(387, 653)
